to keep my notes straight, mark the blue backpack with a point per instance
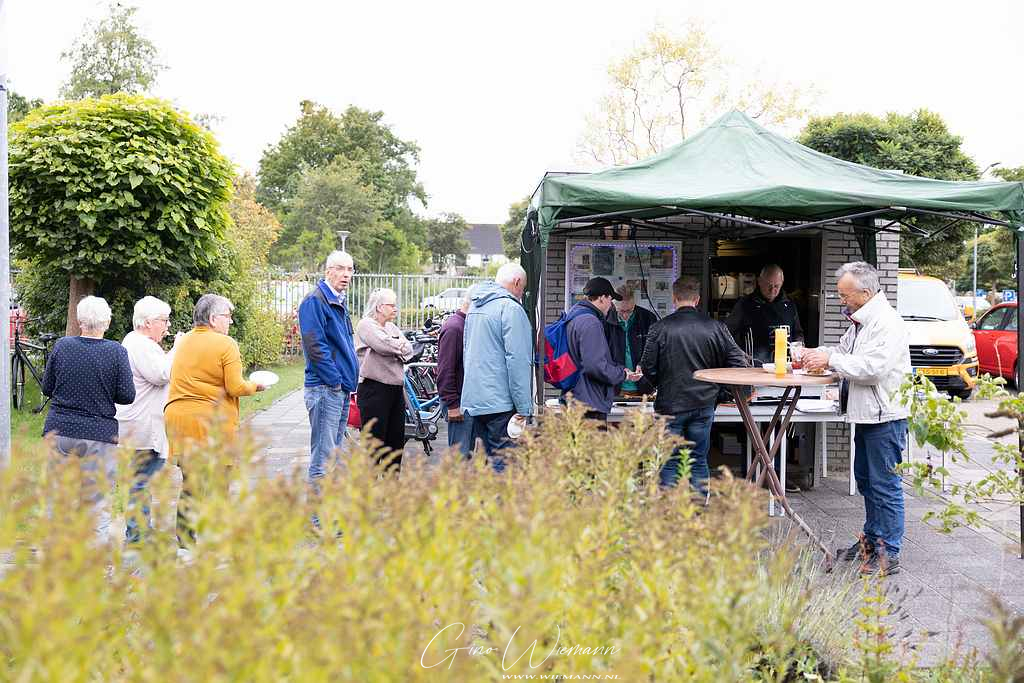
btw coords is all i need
(560, 369)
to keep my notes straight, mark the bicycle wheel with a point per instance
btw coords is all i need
(17, 382)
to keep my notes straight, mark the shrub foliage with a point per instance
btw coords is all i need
(573, 547)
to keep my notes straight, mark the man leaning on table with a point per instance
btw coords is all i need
(873, 360)
(678, 345)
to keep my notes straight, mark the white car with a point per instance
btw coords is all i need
(447, 301)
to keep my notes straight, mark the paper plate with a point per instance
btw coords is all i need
(514, 429)
(801, 371)
(770, 367)
(264, 377)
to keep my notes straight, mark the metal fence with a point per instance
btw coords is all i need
(419, 296)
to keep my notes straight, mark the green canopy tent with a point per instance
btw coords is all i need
(747, 182)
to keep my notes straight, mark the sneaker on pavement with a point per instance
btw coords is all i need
(861, 550)
(881, 565)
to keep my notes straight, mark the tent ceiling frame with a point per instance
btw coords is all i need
(630, 217)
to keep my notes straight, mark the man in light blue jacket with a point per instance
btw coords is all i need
(497, 351)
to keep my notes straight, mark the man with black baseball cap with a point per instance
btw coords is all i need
(588, 336)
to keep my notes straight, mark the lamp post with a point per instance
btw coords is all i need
(343, 234)
(974, 283)
(5, 277)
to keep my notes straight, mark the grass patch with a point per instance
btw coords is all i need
(27, 427)
(292, 376)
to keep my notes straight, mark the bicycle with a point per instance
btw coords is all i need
(421, 416)
(21, 359)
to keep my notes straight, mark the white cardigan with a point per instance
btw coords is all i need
(141, 423)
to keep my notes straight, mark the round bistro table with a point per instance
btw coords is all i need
(737, 378)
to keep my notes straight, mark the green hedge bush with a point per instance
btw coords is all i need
(449, 572)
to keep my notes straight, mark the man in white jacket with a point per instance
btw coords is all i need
(873, 359)
(141, 424)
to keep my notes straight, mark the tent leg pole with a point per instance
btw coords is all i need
(538, 373)
(1020, 355)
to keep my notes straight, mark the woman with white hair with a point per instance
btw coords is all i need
(382, 351)
(141, 423)
(85, 376)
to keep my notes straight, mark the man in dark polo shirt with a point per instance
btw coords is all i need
(755, 316)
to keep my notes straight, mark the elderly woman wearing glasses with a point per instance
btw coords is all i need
(85, 376)
(382, 351)
(206, 383)
(141, 423)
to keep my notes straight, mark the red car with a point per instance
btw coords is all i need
(995, 335)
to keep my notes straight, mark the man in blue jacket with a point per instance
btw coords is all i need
(497, 355)
(332, 371)
(588, 335)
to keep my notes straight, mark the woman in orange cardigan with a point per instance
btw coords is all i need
(206, 383)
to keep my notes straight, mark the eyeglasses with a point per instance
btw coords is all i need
(225, 315)
(843, 298)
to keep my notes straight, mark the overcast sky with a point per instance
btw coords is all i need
(496, 93)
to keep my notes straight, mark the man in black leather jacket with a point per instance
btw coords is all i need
(677, 346)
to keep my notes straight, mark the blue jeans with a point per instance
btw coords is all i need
(97, 461)
(328, 418)
(146, 463)
(692, 425)
(492, 430)
(459, 433)
(878, 449)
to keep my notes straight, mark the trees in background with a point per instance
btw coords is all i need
(996, 258)
(997, 253)
(331, 198)
(347, 171)
(110, 56)
(446, 240)
(512, 228)
(662, 90)
(18, 106)
(918, 144)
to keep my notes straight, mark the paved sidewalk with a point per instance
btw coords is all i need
(284, 429)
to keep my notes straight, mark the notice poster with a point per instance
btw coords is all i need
(649, 268)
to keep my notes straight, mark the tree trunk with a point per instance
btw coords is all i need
(80, 287)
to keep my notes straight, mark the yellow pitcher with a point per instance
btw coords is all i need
(781, 340)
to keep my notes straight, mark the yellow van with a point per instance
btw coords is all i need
(941, 342)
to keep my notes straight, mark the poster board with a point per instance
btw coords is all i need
(651, 275)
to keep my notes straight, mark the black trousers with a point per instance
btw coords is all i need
(385, 404)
